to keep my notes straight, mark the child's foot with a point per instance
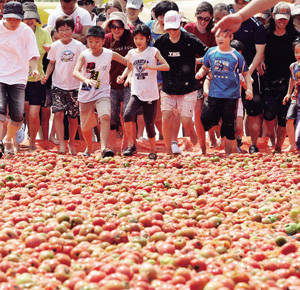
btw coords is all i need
(32, 147)
(53, 140)
(290, 148)
(62, 149)
(72, 149)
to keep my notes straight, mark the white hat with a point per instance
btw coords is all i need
(172, 20)
(116, 15)
(296, 10)
(135, 4)
(282, 11)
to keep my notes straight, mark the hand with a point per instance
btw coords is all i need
(286, 99)
(36, 74)
(249, 95)
(205, 93)
(44, 79)
(90, 82)
(199, 75)
(120, 80)
(146, 66)
(228, 24)
(46, 47)
(128, 82)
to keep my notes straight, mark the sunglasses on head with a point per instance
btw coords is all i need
(86, 3)
(116, 26)
(206, 19)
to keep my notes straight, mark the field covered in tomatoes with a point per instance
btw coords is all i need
(75, 223)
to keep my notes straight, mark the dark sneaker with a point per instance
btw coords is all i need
(152, 156)
(253, 149)
(107, 153)
(129, 150)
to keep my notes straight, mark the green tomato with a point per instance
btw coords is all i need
(290, 228)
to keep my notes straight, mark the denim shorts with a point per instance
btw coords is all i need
(12, 96)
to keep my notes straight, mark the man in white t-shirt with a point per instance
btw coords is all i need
(18, 52)
(82, 18)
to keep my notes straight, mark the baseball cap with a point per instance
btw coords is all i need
(13, 10)
(282, 11)
(172, 20)
(31, 12)
(135, 4)
(296, 10)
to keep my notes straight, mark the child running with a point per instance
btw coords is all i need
(294, 109)
(143, 63)
(63, 55)
(224, 91)
(92, 69)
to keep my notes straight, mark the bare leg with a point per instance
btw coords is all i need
(188, 124)
(254, 128)
(46, 113)
(34, 125)
(58, 122)
(167, 130)
(158, 119)
(230, 147)
(270, 126)
(26, 121)
(73, 126)
(112, 140)
(105, 129)
(88, 138)
(175, 126)
(199, 126)
(281, 134)
(290, 129)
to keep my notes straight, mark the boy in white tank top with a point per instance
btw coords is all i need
(92, 69)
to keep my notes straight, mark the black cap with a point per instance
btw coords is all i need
(13, 10)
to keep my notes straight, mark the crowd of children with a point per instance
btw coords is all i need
(110, 69)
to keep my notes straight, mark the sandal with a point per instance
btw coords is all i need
(152, 156)
(85, 154)
(9, 148)
(107, 153)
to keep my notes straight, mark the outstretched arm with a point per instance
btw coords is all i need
(163, 66)
(231, 23)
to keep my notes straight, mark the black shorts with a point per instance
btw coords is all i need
(253, 107)
(214, 109)
(273, 107)
(35, 93)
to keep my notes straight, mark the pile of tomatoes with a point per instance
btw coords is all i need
(191, 222)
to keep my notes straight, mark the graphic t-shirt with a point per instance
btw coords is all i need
(116, 67)
(17, 47)
(96, 68)
(144, 84)
(225, 67)
(295, 72)
(181, 57)
(42, 37)
(65, 57)
(81, 18)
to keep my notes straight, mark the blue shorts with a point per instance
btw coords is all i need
(12, 96)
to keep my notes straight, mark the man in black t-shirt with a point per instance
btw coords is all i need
(253, 36)
(179, 88)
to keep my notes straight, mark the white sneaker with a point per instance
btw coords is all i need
(20, 135)
(175, 148)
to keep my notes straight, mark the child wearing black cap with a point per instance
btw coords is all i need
(18, 51)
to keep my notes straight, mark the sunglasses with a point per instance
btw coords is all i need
(205, 19)
(116, 27)
(86, 3)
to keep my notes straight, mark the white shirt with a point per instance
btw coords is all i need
(96, 68)
(81, 18)
(65, 57)
(17, 47)
(144, 81)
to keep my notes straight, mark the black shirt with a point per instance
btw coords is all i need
(181, 57)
